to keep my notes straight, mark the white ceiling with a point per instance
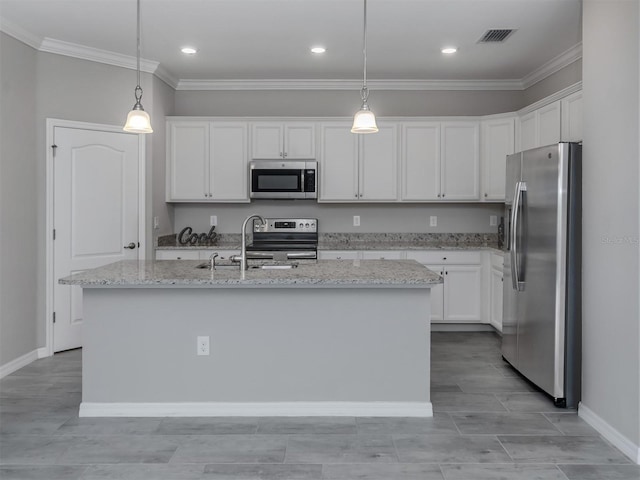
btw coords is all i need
(270, 39)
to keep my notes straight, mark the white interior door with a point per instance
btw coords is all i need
(95, 215)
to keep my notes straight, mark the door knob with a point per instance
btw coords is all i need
(131, 246)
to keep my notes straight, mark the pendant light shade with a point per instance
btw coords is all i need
(364, 121)
(138, 120)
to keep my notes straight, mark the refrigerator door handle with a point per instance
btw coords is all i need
(514, 250)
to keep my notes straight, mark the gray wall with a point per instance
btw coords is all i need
(563, 78)
(345, 103)
(611, 340)
(413, 218)
(161, 106)
(18, 200)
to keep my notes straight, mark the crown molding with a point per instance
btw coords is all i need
(50, 45)
(553, 65)
(167, 77)
(20, 34)
(333, 84)
(576, 87)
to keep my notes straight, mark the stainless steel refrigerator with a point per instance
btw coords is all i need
(542, 275)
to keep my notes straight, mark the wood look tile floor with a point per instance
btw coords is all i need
(488, 424)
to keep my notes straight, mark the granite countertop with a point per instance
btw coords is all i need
(324, 273)
(368, 241)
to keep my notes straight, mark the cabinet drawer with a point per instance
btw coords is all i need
(177, 255)
(338, 254)
(445, 257)
(497, 260)
(383, 255)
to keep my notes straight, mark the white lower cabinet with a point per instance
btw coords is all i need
(459, 298)
(496, 288)
(338, 254)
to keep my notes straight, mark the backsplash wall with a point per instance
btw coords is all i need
(338, 218)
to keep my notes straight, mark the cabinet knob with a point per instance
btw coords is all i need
(443, 195)
(356, 195)
(438, 195)
(485, 195)
(284, 154)
(360, 195)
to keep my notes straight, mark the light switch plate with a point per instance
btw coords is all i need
(213, 220)
(433, 221)
(356, 220)
(203, 345)
(493, 220)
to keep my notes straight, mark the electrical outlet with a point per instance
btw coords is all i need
(356, 220)
(203, 345)
(213, 220)
(433, 221)
(493, 220)
(156, 223)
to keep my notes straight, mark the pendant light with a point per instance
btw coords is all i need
(364, 120)
(138, 120)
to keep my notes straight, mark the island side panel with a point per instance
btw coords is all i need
(267, 345)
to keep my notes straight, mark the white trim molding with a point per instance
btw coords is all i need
(551, 98)
(616, 438)
(20, 34)
(18, 363)
(553, 65)
(346, 84)
(260, 409)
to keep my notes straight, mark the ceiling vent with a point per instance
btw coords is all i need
(496, 35)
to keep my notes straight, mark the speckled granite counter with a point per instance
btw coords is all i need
(184, 273)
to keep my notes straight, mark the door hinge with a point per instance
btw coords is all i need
(54, 233)
(138, 244)
(54, 317)
(54, 147)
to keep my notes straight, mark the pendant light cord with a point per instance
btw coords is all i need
(138, 40)
(365, 91)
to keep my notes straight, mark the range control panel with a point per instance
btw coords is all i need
(286, 225)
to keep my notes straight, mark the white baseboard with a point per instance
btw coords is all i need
(18, 363)
(461, 327)
(260, 409)
(618, 440)
(43, 352)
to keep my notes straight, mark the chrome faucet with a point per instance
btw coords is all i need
(243, 254)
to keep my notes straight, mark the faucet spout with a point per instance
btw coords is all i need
(243, 253)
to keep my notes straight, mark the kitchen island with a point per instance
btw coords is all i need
(335, 337)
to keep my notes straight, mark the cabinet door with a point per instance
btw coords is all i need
(528, 135)
(463, 293)
(437, 296)
(188, 161)
(229, 171)
(299, 140)
(571, 109)
(549, 124)
(498, 138)
(338, 163)
(496, 299)
(267, 140)
(379, 165)
(420, 161)
(460, 161)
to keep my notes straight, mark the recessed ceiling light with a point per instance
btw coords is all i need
(449, 50)
(188, 50)
(318, 50)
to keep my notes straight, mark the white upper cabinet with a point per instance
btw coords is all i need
(291, 140)
(498, 141)
(571, 128)
(440, 161)
(379, 165)
(549, 124)
(540, 127)
(460, 161)
(206, 161)
(420, 161)
(358, 167)
(338, 163)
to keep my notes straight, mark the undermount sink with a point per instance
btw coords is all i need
(207, 265)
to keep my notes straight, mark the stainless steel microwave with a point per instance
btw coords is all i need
(283, 179)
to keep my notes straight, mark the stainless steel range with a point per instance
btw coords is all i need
(284, 239)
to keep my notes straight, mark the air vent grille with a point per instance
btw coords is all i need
(496, 35)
